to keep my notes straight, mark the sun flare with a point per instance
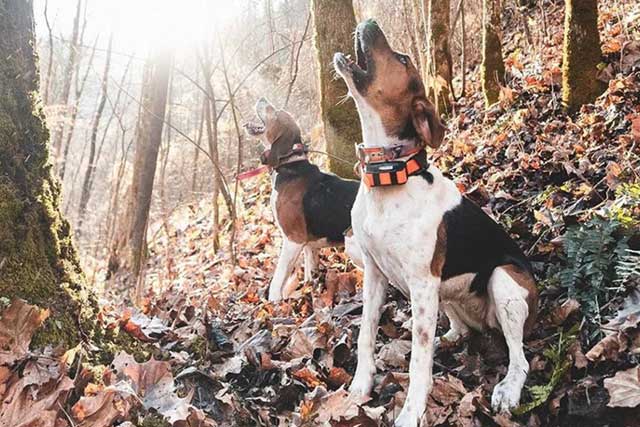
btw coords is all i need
(140, 24)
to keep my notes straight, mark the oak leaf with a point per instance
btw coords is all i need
(624, 388)
(17, 325)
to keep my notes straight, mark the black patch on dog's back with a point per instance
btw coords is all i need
(327, 206)
(477, 244)
(327, 201)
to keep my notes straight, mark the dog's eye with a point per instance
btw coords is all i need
(404, 59)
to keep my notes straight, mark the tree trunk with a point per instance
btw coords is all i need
(68, 78)
(334, 22)
(581, 54)
(48, 77)
(440, 63)
(131, 246)
(91, 166)
(420, 29)
(492, 70)
(38, 261)
(196, 154)
(74, 109)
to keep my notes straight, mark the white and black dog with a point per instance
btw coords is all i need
(311, 208)
(424, 237)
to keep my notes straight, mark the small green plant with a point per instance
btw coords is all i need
(557, 356)
(598, 265)
(626, 207)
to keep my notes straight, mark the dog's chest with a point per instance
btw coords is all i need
(287, 207)
(398, 226)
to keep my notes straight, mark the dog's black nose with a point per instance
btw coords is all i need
(370, 23)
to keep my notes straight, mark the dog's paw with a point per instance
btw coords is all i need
(361, 385)
(275, 296)
(506, 395)
(406, 419)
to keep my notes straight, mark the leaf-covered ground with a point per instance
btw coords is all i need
(567, 187)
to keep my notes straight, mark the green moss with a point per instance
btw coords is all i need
(113, 341)
(38, 262)
(198, 347)
(581, 54)
(342, 133)
(154, 420)
(334, 23)
(438, 87)
(492, 69)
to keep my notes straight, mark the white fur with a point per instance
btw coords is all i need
(284, 270)
(396, 228)
(508, 300)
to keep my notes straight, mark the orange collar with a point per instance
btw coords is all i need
(387, 173)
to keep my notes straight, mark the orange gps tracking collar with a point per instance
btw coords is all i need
(379, 166)
(393, 173)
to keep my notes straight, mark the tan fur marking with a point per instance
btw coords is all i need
(291, 212)
(394, 90)
(439, 253)
(527, 282)
(424, 338)
(389, 93)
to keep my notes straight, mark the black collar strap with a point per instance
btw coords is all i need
(384, 174)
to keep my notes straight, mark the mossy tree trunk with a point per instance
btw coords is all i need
(334, 22)
(581, 54)
(131, 243)
(440, 63)
(38, 261)
(492, 70)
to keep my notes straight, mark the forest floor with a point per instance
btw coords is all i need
(567, 187)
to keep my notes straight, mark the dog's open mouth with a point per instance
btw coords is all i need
(362, 56)
(255, 129)
(360, 65)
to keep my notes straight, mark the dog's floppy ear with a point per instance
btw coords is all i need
(427, 123)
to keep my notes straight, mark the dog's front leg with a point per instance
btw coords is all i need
(310, 262)
(373, 295)
(286, 263)
(424, 312)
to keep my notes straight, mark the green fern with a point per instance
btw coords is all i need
(628, 267)
(598, 265)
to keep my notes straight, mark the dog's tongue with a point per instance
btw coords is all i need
(264, 157)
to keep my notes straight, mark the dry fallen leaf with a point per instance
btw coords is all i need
(336, 405)
(28, 406)
(17, 325)
(102, 409)
(153, 382)
(608, 348)
(624, 388)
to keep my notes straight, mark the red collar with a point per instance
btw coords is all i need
(297, 149)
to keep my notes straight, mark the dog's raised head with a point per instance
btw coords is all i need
(277, 130)
(388, 91)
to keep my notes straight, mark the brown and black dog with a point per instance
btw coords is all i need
(311, 208)
(417, 232)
